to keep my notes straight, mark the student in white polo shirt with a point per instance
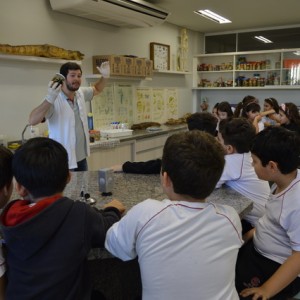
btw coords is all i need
(268, 266)
(236, 136)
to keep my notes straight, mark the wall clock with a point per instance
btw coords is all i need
(160, 55)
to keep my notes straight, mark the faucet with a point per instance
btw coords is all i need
(23, 132)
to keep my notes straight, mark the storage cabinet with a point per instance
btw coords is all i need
(150, 148)
(257, 69)
(105, 158)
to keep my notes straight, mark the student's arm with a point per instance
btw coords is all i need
(121, 237)
(143, 167)
(285, 274)
(267, 112)
(256, 123)
(248, 235)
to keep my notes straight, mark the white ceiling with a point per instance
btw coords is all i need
(243, 14)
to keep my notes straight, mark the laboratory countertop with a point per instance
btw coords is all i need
(134, 188)
(137, 135)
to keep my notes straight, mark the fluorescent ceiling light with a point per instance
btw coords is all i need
(263, 39)
(206, 13)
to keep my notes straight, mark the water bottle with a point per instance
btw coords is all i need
(90, 121)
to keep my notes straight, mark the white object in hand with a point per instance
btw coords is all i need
(104, 69)
(53, 91)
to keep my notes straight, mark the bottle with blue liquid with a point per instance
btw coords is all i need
(90, 121)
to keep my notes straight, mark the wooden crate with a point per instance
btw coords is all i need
(139, 67)
(128, 66)
(148, 67)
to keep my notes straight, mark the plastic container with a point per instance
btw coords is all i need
(90, 121)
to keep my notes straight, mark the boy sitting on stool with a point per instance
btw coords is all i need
(49, 236)
(181, 241)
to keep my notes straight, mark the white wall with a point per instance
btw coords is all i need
(24, 84)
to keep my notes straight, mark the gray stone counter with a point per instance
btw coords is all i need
(115, 279)
(134, 188)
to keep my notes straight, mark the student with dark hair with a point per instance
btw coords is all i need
(181, 241)
(215, 110)
(289, 117)
(268, 266)
(48, 236)
(270, 113)
(203, 121)
(236, 136)
(224, 110)
(6, 188)
(239, 108)
(251, 111)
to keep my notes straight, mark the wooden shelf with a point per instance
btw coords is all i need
(172, 72)
(97, 76)
(266, 87)
(36, 59)
(272, 67)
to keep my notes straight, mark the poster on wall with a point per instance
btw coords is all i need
(102, 108)
(143, 100)
(158, 105)
(171, 102)
(123, 103)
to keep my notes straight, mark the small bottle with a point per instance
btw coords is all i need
(90, 121)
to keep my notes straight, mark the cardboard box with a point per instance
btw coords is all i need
(148, 67)
(140, 67)
(115, 62)
(128, 66)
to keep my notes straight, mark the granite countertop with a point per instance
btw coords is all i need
(137, 135)
(134, 188)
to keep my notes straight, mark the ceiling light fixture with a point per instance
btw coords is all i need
(206, 13)
(263, 39)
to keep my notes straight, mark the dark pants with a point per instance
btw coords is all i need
(253, 269)
(81, 166)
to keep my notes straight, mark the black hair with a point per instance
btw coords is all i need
(250, 107)
(240, 106)
(41, 166)
(194, 161)
(237, 132)
(273, 103)
(291, 111)
(280, 145)
(204, 121)
(64, 69)
(6, 176)
(225, 107)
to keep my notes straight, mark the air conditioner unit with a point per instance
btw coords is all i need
(121, 13)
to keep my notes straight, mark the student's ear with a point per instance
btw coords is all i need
(69, 177)
(21, 190)
(273, 166)
(166, 181)
(229, 149)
